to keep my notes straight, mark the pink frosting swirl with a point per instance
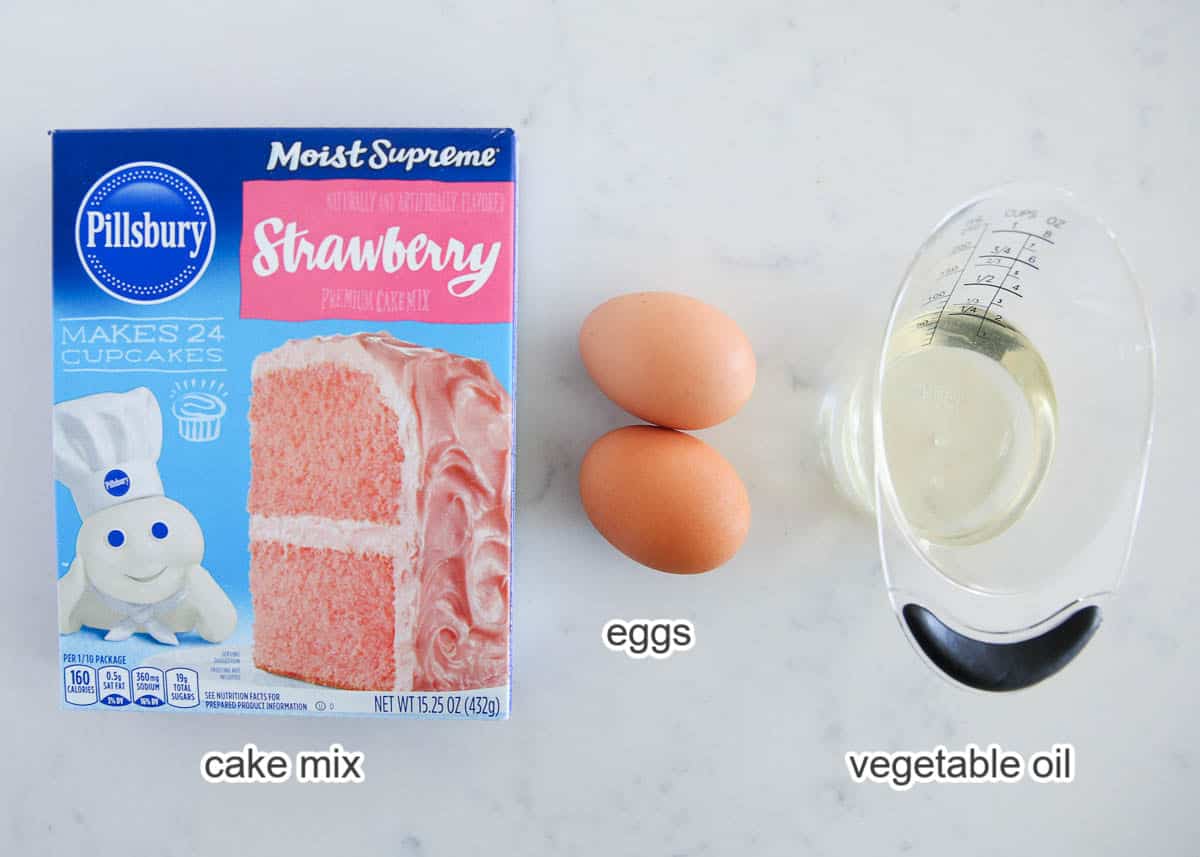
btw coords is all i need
(462, 621)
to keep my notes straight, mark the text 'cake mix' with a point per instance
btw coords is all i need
(283, 426)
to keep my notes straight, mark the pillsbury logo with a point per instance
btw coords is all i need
(117, 483)
(145, 233)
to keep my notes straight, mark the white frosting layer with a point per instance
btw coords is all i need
(309, 531)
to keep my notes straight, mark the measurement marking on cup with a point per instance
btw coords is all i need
(1013, 259)
(982, 318)
(1000, 286)
(957, 281)
(1023, 232)
(995, 286)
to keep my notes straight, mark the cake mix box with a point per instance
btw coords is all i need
(283, 425)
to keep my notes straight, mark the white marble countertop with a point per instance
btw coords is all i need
(782, 161)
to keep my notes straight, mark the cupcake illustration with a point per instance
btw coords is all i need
(198, 409)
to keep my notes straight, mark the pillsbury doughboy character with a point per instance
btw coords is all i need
(137, 556)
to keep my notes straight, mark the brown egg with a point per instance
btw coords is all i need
(664, 498)
(668, 359)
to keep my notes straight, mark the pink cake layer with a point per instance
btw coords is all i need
(324, 443)
(323, 616)
(363, 446)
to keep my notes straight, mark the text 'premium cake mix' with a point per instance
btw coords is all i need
(283, 430)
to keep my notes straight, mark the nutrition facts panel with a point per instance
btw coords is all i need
(142, 687)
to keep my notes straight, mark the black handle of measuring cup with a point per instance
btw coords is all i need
(1000, 666)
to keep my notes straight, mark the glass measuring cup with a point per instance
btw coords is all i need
(1001, 434)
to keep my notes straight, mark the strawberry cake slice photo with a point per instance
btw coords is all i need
(380, 511)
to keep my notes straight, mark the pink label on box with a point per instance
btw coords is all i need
(377, 249)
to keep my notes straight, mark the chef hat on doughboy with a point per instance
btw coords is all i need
(106, 448)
